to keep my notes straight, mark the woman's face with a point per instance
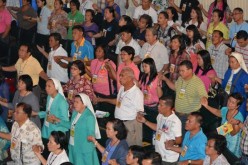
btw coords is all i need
(24, 2)
(215, 17)
(75, 71)
(57, 5)
(161, 19)
(175, 44)
(40, 3)
(233, 62)
(111, 133)
(200, 61)
(21, 85)
(50, 88)
(78, 104)
(122, 22)
(99, 53)
(232, 103)
(73, 7)
(88, 16)
(142, 23)
(210, 147)
(52, 145)
(193, 14)
(146, 68)
(168, 11)
(190, 34)
(107, 14)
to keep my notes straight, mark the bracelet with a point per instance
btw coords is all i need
(95, 143)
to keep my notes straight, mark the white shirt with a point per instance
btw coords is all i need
(54, 159)
(151, 12)
(85, 5)
(132, 101)
(220, 160)
(43, 21)
(134, 44)
(56, 71)
(156, 51)
(170, 128)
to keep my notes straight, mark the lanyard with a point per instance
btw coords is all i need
(76, 120)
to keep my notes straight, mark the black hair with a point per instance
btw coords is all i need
(164, 14)
(169, 100)
(225, 5)
(127, 29)
(128, 20)
(119, 126)
(153, 71)
(29, 1)
(27, 109)
(186, 63)
(29, 49)
(182, 44)
(148, 19)
(237, 96)
(174, 13)
(28, 81)
(196, 35)
(239, 9)
(207, 66)
(91, 12)
(59, 138)
(220, 13)
(76, 3)
(220, 142)
(79, 28)
(60, 2)
(80, 65)
(130, 51)
(199, 16)
(138, 152)
(242, 34)
(56, 36)
(111, 10)
(219, 32)
(154, 156)
(103, 47)
(4, 1)
(198, 117)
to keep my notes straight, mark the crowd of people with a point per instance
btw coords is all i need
(172, 75)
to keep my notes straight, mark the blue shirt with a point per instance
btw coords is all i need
(195, 146)
(84, 52)
(110, 149)
(234, 29)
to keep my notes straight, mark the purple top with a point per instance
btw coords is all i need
(92, 28)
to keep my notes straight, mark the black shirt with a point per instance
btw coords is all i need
(109, 29)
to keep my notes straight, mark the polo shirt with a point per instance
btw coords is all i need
(243, 51)
(234, 29)
(84, 52)
(5, 20)
(77, 18)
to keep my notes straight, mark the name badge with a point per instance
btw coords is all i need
(158, 135)
(104, 157)
(182, 93)
(172, 68)
(13, 143)
(228, 87)
(118, 104)
(94, 78)
(183, 153)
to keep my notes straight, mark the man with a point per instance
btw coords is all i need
(194, 142)
(81, 49)
(24, 135)
(129, 102)
(185, 8)
(27, 64)
(152, 158)
(54, 69)
(239, 24)
(127, 40)
(155, 50)
(110, 3)
(5, 22)
(168, 128)
(144, 8)
(135, 155)
(217, 50)
(189, 90)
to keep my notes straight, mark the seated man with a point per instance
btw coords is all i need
(194, 142)
(152, 158)
(135, 155)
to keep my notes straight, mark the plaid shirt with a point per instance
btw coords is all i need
(244, 138)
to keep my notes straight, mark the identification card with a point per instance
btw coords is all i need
(210, 37)
(94, 78)
(158, 135)
(104, 157)
(75, 57)
(70, 94)
(146, 96)
(13, 143)
(93, 41)
(118, 104)
(172, 68)
(184, 151)
(72, 131)
(235, 36)
(71, 141)
(182, 93)
(49, 66)
(228, 87)
(104, 32)
(161, 40)
(212, 59)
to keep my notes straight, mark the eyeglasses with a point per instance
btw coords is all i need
(209, 146)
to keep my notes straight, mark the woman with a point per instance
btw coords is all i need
(173, 16)
(78, 83)
(125, 20)
(56, 105)
(25, 94)
(204, 69)
(90, 27)
(75, 17)
(58, 19)
(83, 124)
(116, 145)
(227, 114)
(149, 84)
(216, 145)
(216, 25)
(56, 146)
(221, 5)
(4, 96)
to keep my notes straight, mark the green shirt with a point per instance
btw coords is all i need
(72, 19)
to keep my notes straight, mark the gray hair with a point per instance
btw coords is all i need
(129, 72)
(153, 30)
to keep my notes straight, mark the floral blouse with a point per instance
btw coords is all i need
(57, 23)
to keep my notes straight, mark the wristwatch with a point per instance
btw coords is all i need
(189, 162)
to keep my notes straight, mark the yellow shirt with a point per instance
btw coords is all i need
(221, 27)
(31, 67)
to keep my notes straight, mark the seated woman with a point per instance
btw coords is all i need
(78, 83)
(25, 94)
(216, 145)
(116, 145)
(228, 114)
(56, 146)
(83, 124)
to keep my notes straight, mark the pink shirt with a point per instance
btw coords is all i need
(5, 20)
(218, 6)
(205, 78)
(132, 66)
(100, 77)
(150, 92)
